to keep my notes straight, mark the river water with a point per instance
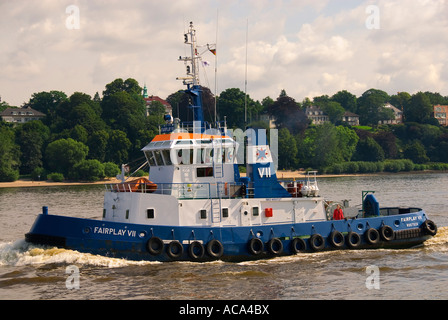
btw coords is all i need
(33, 272)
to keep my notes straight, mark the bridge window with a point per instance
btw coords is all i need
(204, 172)
(167, 157)
(151, 158)
(159, 158)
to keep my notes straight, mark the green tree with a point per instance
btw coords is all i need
(130, 86)
(231, 103)
(63, 154)
(347, 100)
(368, 150)
(319, 147)
(9, 155)
(118, 146)
(400, 100)
(125, 112)
(89, 170)
(287, 149)
(31, 138)
(111, 169)
(388, 142)
(416, 152)
(97, 143)
(334, 110)
(347, 142)
(371, 107)
(288, 114)
(47, 103)
(419, 109)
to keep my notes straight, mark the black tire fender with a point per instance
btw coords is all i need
(215, 249)
(196, 250)
(337, 239)
(317, 242)
(255, 246)
(353, 239)
(429, 227)
(154, 246)
(372, 236)
(175, 249)
(298, 245)
(387, 233)
(275, 246)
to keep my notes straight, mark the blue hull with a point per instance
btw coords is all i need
(172, 243)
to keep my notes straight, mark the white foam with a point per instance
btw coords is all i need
(21, 253)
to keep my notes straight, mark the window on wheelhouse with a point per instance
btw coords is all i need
(159, 158)
(151, 158)
(204, 172)
(167, 157)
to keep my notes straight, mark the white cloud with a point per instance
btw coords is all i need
(306, 47)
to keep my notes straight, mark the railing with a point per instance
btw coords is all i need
(221, 190)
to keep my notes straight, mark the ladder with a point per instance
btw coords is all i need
(217, 170)
(216, 209)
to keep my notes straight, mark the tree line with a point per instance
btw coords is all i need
(85, 138)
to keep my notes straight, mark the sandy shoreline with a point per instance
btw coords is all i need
(26, 183)
(286, 175)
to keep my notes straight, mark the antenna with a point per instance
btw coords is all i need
(245, 77)
(216, 61)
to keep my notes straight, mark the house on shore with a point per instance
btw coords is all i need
(440, 113)
(21, 115)
(350, 118)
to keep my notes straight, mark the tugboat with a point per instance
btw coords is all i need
(195, 205)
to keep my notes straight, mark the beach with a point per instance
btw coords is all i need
(26, 183)
(282, 175)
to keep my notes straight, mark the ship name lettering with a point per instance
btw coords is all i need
(115, 232)
(264, 172)
(409, 219)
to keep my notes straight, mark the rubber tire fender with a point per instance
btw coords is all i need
(353, 239)
(337, 239)
(387, 233)
(255, 246)
(212, 245)
(175, 254)
(298, 245)
(317, 242)
(154, 246)
(275, 246)
(429, 227)
(372, 236)
(193, 247)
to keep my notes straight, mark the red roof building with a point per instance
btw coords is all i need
(150, 99)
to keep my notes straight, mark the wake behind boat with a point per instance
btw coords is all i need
(195, 206)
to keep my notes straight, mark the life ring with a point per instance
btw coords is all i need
(175, 249)
(154, 246)
(317, 242)
(387, 233)
(372, 236)
(353, 239)
(255, 246)
(298, 245)
(337, 239)
(429, 227)
(215, 249)
(275, 246)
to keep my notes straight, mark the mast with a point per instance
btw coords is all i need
(194, 89)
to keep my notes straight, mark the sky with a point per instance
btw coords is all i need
(306, 47)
